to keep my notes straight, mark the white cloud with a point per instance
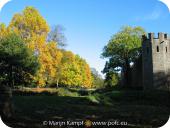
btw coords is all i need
(3, 2)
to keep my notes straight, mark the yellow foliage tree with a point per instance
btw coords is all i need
(4, 31)
(75, 71)
(56, 56)
(33, 28)
(56, 65)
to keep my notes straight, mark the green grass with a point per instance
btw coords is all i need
(138, 108)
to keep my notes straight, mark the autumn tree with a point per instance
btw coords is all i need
(75, 71)
(33, 29)
(122, 49)
(30, 25)
(56, 65)
(3, 30)
(69, 72)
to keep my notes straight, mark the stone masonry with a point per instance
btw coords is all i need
(156, 60)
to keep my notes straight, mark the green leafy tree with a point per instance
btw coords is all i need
(122, 49)
(111, 79)
(17, 62)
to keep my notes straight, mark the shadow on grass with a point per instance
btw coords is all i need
(139, 108)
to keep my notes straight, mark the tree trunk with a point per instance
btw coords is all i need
(127, 73)
(11, 78)
(6, 110)
(57, 82)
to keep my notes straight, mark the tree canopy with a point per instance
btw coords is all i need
(16, 61)
(56, 66)
(75, 71)
(123, 48)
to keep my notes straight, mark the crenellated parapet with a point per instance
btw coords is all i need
(151, 36)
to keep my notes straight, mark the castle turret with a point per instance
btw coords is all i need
(147, 60)
(156, 62)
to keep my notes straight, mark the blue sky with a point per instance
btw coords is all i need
(91, 23)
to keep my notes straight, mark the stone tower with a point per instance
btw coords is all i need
(156, 60)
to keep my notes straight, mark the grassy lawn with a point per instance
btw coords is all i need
(138, 108)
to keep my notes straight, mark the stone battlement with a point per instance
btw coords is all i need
(151, 36)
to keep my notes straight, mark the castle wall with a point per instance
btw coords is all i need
(156, 60)
(147, 63)
(168, 63)
(159, 62)
(136, 73)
